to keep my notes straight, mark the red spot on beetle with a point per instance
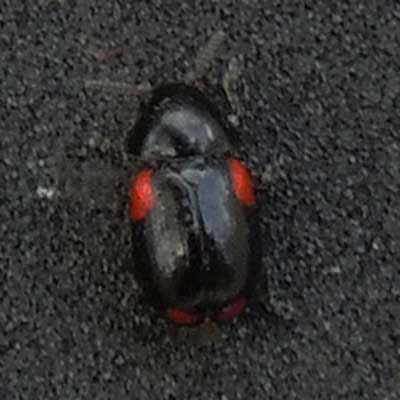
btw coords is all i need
(141, 194)
(232, 310)
(242, 183)
(181, 317)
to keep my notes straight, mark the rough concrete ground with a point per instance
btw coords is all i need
(320, 98)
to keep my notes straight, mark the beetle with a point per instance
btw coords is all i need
(193, 210)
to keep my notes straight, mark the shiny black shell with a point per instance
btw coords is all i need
(198, 247)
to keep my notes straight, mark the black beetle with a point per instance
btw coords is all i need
(195, 233)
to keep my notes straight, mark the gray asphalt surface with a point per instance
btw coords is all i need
(320, 120)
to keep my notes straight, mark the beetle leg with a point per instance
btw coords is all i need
(208, 333)
(263, 178)
(136, 292)
(230, 81)
(108, 54)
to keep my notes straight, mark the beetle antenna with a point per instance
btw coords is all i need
(135, 90)
(205, 56)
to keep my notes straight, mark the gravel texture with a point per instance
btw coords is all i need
(320, 121)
